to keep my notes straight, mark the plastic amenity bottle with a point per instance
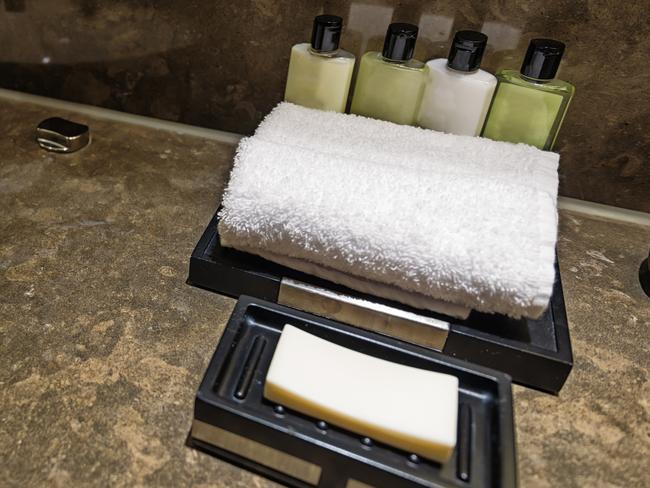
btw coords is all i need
(320, 73)
(389, 84)
(529, 105)
(458, 94)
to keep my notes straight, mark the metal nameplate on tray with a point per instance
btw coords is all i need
(352, 483)
(390, 321)
(263, 454)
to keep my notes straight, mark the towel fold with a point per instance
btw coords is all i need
(429, 218)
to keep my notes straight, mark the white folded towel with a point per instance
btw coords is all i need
(426, 216)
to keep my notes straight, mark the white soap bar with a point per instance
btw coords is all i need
(408, 408)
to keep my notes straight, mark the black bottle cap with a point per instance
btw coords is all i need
(400, 42)
(466, 50)
(326, 33)
(542, 59)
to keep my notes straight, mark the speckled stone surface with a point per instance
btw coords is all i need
(223, 64)
(597, 432)
(102, 345)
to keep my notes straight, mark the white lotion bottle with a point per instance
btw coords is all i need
(458, 93)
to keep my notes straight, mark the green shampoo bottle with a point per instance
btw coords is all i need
(529, 105)
(390, 84)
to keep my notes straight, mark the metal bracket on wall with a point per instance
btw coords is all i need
(393, 322)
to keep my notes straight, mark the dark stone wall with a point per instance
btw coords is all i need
(223, 64)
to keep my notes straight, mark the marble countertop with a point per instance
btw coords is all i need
(103, 345)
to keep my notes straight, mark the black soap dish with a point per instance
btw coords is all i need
(535, 353)
(233, 421)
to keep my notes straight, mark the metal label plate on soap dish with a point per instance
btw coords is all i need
(370, 315)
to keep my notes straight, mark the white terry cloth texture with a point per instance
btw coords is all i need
(436, 217)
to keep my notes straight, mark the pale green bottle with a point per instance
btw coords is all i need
(529, 105)
(319, 72)
(390, 84)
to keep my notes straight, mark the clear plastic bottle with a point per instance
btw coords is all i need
(319, 72)
(390, 84)
(529, 106)
(458, 94)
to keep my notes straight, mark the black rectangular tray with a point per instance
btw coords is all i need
(535, 353)
(233, 421)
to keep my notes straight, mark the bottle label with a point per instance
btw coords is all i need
(522, 114)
